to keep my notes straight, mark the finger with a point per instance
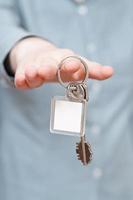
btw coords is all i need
(72, 70)
(71, 65)
(32, 78)
(101, 72)
(98, 71)
(20, 81)
(48, 70)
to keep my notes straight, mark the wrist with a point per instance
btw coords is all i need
(8, 67)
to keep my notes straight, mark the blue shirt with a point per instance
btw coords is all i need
(36, 165)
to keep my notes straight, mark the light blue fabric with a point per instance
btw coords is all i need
(36, 165)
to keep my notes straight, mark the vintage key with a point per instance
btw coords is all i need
(79, 92)
(68, 113)
(83, 150)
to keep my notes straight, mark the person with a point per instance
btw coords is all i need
(35, 37)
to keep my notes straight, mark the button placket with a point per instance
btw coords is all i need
(97, 173)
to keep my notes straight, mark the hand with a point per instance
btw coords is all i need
(35, 62)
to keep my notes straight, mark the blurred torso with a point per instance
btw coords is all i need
(37, 165)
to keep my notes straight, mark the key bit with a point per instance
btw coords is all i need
(83, 150)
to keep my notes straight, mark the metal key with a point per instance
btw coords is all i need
(83, 150)
(78, 92)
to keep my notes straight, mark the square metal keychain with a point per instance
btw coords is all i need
(68, 113)
(67, 116)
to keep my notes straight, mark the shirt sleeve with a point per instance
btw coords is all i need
(11, 32)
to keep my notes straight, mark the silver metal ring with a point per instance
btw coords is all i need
(61, 64)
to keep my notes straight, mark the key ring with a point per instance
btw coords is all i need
(61, 64)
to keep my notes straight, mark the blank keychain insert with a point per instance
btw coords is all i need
(67, 117)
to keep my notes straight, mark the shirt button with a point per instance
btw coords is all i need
(97, 173)
(79, 1)
(82, 10)
(91, 48)
(95, 130)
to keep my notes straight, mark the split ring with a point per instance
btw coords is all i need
(61, 64)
